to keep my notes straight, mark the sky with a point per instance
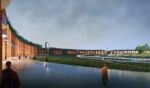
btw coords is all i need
(82, 24)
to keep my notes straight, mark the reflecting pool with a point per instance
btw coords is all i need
(36, 74)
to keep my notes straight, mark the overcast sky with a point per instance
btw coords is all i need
(84, 24)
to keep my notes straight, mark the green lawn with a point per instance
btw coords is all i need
(73, 60)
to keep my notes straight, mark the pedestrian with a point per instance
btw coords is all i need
(46, 59)
(34, 57)
(25, 56)
(19, 57)
(105, 74)
(10, 78)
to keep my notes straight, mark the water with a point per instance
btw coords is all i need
(116, 59)
(35, 74)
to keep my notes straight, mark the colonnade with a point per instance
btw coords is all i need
(13, 44)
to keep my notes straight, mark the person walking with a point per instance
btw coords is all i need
(19, 57)
(105, 74)
(10, 78)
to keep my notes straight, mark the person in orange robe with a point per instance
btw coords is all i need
(105, 74)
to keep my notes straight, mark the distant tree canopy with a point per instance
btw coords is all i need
(142, 47)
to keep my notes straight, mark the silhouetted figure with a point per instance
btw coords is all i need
(34, 57)
(10, 78)
(25, 56)
(19, 57)
(105, 74)
(46, 59)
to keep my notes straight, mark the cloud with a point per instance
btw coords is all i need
(97, 24)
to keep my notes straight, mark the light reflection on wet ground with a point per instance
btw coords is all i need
(35, 74)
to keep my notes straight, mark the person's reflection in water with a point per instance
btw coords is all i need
(105, 74)
(46, 67)
(45, 64)
(10, 78)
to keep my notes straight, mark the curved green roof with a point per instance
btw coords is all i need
(15, 33)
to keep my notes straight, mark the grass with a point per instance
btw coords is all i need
(73, 60)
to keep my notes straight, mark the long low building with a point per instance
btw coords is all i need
(60, 51)
(123, 52)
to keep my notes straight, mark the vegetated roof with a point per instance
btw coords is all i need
(19, 37)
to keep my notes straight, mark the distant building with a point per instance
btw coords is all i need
(147, 52)
(60, 51)
(123, 52)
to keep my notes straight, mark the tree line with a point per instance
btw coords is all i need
(142, 48)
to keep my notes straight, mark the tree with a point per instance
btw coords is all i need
(142, 47)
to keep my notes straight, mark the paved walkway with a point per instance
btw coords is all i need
(35, 74)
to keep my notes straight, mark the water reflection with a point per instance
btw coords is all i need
(35, 74)
(129, 79)
(46, 67)
(45, 64)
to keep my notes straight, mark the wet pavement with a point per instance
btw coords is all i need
(36, 74)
